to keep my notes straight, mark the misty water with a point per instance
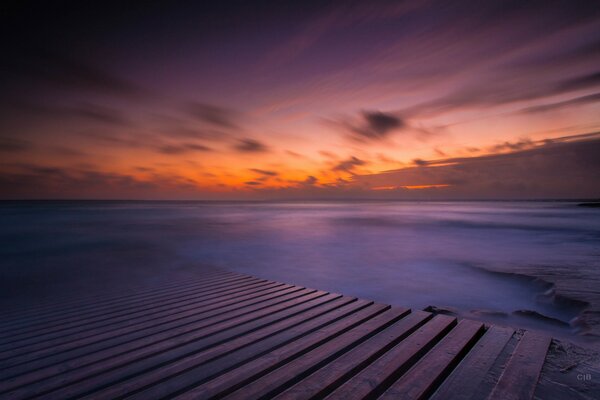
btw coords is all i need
(472, 258)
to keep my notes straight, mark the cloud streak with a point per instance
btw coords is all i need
(214, 115)
(563, 168)
(183, 148)
(349, 165)
(249, 145)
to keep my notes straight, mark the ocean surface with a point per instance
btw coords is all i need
(475, 259)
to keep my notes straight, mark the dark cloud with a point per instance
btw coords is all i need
(589, 99)
(10, 145)
(556, 56)
(349, 165)
(373, 126)
(214, 115)
(294, 154)
(37, 181)
(68, 151)
(379, 124)
(253, 183)
(147, 141)
(89, 112)
(105, 115)
(579, 82)
(419, 162)
(500, 93)
(37, 65)
(182, 148)
(179, 128)
(328, 154)
(132, 141)
(562, 168)
(310, 180)
(513, 146)
(248, 145)
(264, 172)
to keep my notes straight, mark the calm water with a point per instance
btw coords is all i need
(404, 253)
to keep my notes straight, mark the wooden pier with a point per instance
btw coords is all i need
(235, 336)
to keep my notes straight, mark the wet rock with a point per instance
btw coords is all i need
(442, 310)
(569, 372)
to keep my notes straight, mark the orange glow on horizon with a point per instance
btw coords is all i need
(410, 187)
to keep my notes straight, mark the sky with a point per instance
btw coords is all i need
(257, 100)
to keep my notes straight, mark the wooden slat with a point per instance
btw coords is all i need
(274, 382)
(309, 352)
(212, 362)
(374, 379)
(131, 363)
(68, 336)
(206, 315)
(326, 379)
(519, 378)
(68, 302)
(421, 379)
(65, 313)
(121, 355)
(228, 335)
(466, 379)
(60, 312)
(55, 324)
(59, 325)
(203, 318)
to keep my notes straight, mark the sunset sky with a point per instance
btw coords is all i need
(268, 100)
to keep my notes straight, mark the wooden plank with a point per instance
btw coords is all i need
(214, 364)
(211, 314)
(118, 380)
(99, 361)
(324, 346)
(115, 367)
(54, 304)
(53, 314)
(72, 321)
(519, 378)
(323, 381)
(60, 324)
(235, 336)
(374, 379)
(421, 379)
(469, 375)
(70, 338)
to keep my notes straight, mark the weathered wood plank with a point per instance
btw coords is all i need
(373, 380)
(326, 379)
(464, 381)
(131, 363)
(519, 378)
(69, 302)
(54, 313)
(219, 365)
(95, 363)
(57, 326)
(204, 315)
(275, 381)
(117, 382)
(68, 336)
(235, 336)
(418, 382)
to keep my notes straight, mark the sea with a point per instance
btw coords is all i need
(528, 264)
